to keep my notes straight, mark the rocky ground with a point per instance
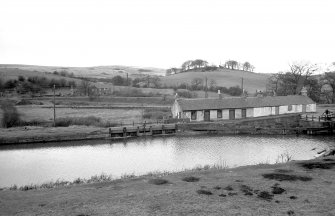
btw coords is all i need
(294, 188)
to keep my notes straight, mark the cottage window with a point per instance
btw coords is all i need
(289, 107)
(219, 113)
(194, 115)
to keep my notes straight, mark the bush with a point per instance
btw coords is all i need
(186, 94)
(88, 121)
(10, 115)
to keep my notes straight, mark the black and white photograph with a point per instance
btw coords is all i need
(167, 107)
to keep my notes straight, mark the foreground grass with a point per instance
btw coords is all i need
(293, 188)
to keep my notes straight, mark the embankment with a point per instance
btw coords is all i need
(294, 188)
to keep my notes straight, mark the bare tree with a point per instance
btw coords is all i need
(85, 86)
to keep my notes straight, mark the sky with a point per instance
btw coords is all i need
(269, 34)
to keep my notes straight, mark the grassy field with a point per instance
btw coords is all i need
(294, 188)
(223, 77)
(94, 72)
(13, 73)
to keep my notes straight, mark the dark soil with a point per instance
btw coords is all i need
(328, 159)
(158, 181)
(293, 197)
(290, 212)
(232, 194)
(317, 165)
(277, 190)
(286, 177)
(204, 192)
(191, 179)
(229, 188)
(246, 190)
(222, 195)
(217, 187)
(265, 195)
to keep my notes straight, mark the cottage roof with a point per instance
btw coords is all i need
(242, 102)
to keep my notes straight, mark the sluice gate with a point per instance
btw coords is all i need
(144, 130)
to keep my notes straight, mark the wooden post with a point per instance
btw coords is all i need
(54, 107)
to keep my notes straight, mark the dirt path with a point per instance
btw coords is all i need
(295, 188)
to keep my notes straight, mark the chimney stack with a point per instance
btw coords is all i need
(220, 95)
(303, 91)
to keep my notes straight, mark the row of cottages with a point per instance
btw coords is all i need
(209, 109)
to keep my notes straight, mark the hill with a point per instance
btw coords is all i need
(93, 72)
(223, 77)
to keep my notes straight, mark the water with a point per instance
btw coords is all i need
(40, 163)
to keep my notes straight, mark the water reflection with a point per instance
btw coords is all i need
(38, 163)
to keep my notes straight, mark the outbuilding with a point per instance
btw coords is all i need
(215, 109)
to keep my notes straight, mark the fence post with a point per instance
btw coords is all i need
(312, 117)
(306, 117)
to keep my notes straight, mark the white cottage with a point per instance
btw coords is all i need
(214, 109)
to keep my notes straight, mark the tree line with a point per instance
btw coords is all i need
(34, 84)
(320, 88)
(202, 65)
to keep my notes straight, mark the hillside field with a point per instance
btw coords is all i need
(223, 77)
(93, 72)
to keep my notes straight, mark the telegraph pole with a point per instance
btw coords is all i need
(206, 89)
(242, 86)
(54, 107)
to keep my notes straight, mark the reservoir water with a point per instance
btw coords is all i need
(40, 163)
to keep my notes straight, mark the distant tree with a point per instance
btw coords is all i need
(186, 65)
(136, 82)
(85, 86)
(197, 84)
(1, 84)
(21, 78)
(329, 82)
(72, 83)
(171, 71)
(155, 81)
(10, 84)
(212, 85)
(292, 81)
(119, 80)
(232, 64)
(246, 66)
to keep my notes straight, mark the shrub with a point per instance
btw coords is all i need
(88, 121)
(191, 179)
(10, 115)
(186, 93)
(158, 181)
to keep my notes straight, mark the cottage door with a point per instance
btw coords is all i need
(244, 113)
(231, 114)
(304, 108)
(207, 115)
(277, 110)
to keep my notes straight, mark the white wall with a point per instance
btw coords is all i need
(250, 112)
(262, 111)
(238, 113)
(295, 109)
(213, 114)
(311, 108)
(225, 114)
(200, 115)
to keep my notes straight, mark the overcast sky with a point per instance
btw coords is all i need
(165, 33)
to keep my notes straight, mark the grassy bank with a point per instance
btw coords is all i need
(294, 188)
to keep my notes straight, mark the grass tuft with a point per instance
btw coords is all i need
(286, 177)
(191, 179)
(204, 192)
(158, 181)
(265, 196)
